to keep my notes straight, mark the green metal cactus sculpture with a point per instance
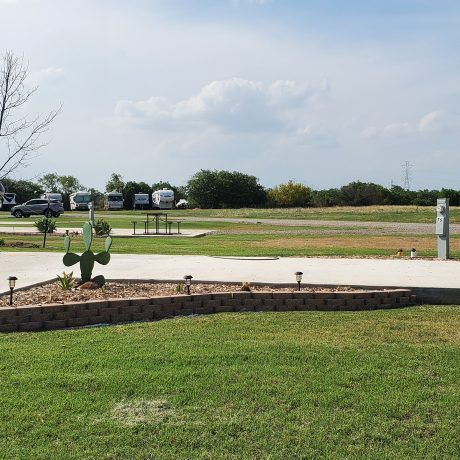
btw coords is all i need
(88, 258)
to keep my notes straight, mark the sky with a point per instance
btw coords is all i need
(319, 92)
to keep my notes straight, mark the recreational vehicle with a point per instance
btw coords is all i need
(8, 201)
(80, 201)
(163, 199)
(182, 204)
(52, 196)
(113, 200)
(141, 201)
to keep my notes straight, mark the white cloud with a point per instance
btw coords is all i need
(437, 121)
(235, 104)
(49, 76)
(397, 129)
(429, 124)
(369, 132)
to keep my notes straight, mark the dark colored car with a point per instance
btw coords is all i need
(51, 208)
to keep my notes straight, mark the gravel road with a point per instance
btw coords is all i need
(340, 226)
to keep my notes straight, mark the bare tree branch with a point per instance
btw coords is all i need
(19, 135)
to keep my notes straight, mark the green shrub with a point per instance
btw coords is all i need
(66, 281)
(2, 242)
(245, 286)
(102, 228)
(43, 224)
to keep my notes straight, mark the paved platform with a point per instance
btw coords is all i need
(430, 277)
(118, 232)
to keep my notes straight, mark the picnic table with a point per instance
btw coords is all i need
(155, 218)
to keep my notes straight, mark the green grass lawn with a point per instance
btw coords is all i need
(246, 244)
(368, 385)
(420, 214)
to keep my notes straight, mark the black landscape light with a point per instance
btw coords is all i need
(188, 282)
(12, 283)
(298, 278)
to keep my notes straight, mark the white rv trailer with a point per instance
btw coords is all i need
(141, 201)
(114, 200)
(8, 201)
(80, 201)
(163, 199)
(52, 196)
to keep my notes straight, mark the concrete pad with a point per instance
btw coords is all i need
(35, 267)
(118, 232)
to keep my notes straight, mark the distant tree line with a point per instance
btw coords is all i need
(226, 189)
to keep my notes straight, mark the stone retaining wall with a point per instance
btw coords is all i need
(63, 315)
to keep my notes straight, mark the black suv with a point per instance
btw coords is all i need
(53, 208)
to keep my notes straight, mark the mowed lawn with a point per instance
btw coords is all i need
(246, 244)
(378, 384)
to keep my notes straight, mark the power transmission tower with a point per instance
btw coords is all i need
(407, 174)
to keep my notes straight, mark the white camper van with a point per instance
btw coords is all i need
(114, 200)
(163, 199)
(52, 196)
(80, 200)
(141, 201)
(8, 201)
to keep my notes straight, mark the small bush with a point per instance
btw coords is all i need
(245, 286)
(43, 224)
(66, 281)
(180, 288)
(102, 228)
(2, 242)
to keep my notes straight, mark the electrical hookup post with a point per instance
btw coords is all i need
(442, 227)
(91, 213)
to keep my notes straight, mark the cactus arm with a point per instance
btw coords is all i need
(70, 259)
(87, 235)
(102, 258)
(108, 243)
(67, 244)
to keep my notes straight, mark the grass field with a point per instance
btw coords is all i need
(266, 238)
(253, 245)
(368, 385)
(417, 214)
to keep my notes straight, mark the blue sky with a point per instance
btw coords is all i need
(322, 92)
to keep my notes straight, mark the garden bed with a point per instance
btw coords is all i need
(52, 293)
(49, 307)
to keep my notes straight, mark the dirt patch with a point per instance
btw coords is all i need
(141, 412)
(391, 243)
(19, 244)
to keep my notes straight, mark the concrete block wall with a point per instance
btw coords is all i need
(76, 314)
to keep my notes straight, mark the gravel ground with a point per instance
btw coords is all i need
(324, 231)
(52, 293)
(392, 227)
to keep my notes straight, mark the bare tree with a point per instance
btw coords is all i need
(19, 133)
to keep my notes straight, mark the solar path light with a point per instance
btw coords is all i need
(188, 282)
(12, 283)
(298, 278)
